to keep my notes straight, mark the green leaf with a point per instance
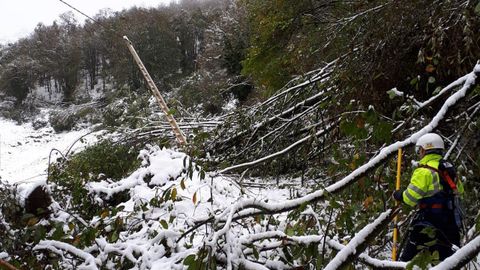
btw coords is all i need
(185, 161)
(114, 237)
(58, 233)
(255, 253)
(303, 206)
(347, 127)
(393, 93)
(39, 233)
(192, 236)
(189, 260)
(166, 196)
(334, 204)
(290, 231)
(370, 116)
(287, 254)
(172, 111)
(164, 224)
(382, 132)
(213, 263)
(414, 81)
(477, 9)
(429, 231)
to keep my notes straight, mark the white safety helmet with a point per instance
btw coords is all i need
(430, 141)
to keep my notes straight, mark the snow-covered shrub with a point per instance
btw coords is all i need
(10, 207)
(66, 119)
(7, 104)
(106, 160)
(203, 93)
(39, 123)
(126, 108)
(62, 121)
(20, 230)
(112, 114)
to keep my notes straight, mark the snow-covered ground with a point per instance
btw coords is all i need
(24, 151)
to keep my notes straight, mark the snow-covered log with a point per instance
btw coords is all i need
(34, 197)
(460, 258)
(360, 241)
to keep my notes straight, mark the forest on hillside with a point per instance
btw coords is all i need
(326, 92)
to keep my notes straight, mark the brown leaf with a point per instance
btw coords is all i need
(194, 199)
(32, 221)
(360, 122)
(104, 213)
(368, 201)
(182, 183)
(430, 68)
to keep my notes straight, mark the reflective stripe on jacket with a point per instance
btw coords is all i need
(424, 182)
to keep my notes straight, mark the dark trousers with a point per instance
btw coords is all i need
(431, 232)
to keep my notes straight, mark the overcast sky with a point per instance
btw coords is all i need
(18, 18)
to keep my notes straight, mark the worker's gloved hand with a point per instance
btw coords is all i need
(398, 195)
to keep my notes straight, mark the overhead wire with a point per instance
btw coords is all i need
(94, 20)
(150, 83)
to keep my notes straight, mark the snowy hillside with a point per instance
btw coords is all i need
(300, 121)
(25, 151)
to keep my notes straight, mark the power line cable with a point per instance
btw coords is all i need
(79, 11)
(92, 19)
(161, 102)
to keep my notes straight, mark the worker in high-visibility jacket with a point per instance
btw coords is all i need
(434, 227)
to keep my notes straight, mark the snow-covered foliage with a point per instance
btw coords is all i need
(314, 160)
(171, 214)
(168, 195)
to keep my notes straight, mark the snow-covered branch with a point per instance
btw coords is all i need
(297, 107)
(322, 74)
(60, 248)
(461, 257)
(313, 239)
(352, 18)
(272, 208)
(360, 241)
(283, 151)
(462, 131)
(421, 105)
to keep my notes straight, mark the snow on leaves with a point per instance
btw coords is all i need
(176, 218)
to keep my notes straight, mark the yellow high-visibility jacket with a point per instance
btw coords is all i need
(425, 182)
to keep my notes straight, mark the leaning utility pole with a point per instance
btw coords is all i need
(178, 133)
